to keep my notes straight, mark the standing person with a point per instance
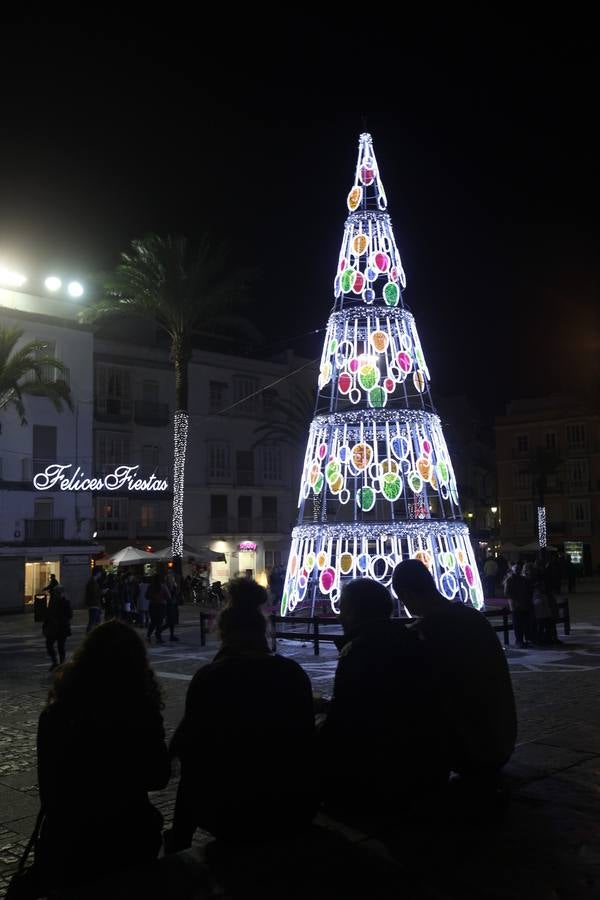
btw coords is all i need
(93, 601)
(53, 583)
(142, 603)
(172, 614)
(519, 592)
(158, 597)
(57, 625)
(105, 705)
(246, 707)
(490, 571)
(470, 674)
(373, 717)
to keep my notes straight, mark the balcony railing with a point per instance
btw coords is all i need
(245, 525)
(147, 413)
(112, 527)
(44, 530)
(52, 374)
(113, 409)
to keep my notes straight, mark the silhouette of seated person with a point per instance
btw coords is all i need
(100, 749)
(470, 674)
(380, 740)
(248, 719)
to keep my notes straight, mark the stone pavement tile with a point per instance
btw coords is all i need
(15, 805)
(563, 797)
(21, 781)
(537, 759)
(584, 738)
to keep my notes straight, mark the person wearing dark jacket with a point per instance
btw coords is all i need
(470, 674)
(520, 595)
(100, 749)
(57, 625)
(93, 601)
(382, 733)
(244, 710)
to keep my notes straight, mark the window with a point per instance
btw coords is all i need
(522, 480)
(44, 447)
(576, 435)
(272, 558)
(113, 449)
(149, 391)
(149, 458)
(550, 440)
(113, 382)
(112, 514)
(218, 512)
(217, 395)
(244, 467)
(578, 472)
(522, 443)
(269, 513)
(523, 513)
(153, 519)
(579, 513)
(50, 373)
(43, 509)
(219, 466)
(244, 386)
(271, 460)
(244, 513)
(269, 399)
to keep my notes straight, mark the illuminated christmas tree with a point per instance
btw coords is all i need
(377, 485)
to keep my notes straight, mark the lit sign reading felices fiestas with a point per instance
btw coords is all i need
(58, 478)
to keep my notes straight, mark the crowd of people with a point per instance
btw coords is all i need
(416, 706)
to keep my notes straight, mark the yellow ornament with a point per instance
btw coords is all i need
(379, 340)
(354, 198)
(346, 561)
(360, 242)
(362, 455)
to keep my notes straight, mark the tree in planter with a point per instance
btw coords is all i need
(184, 291)
(29, 371)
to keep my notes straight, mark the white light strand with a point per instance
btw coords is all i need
(379, 529)
(541, 513)
(180, 432)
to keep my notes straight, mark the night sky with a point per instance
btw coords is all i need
(486, 146)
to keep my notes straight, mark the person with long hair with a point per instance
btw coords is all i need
(100, 749)
(245, 712)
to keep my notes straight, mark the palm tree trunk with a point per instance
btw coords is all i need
(181, 355)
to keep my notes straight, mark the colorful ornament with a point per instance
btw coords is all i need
(392, 486)
(365, 497)
(327, 580)
(404, 361)
(360, 242)
(354, 198)
(346, 563)
(381, 261)
(344, 383)
(367, 175)
(368, 376)
(362, 455)
(348, 279)
(391, 293)
(419, 381)
(359, 283)
(377, 398)
(379, 341)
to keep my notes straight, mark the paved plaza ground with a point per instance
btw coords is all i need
(546, 846)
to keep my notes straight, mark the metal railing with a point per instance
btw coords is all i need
(47, 530)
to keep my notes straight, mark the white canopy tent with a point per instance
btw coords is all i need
(131, 556)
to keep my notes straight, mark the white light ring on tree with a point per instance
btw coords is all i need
(306, 487)
(375, 560)
(354, 395)
(344, 496)
(443, 488)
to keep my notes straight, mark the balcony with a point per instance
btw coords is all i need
(112, 528)
(245, 525)
(46, 531)
(152, 529)
(147, 413)
(112, 409)
(52, 374)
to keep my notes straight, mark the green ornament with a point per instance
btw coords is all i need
(318, 484)
(443, 472)
(347, 280)
(420, 357)
(333, 345)
(449, 561)
(367, 377)
(333, 470)
(391, 293)
(365, 497)
(377, 397)
(392, 486)
(284, 603)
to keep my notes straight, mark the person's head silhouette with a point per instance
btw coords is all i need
(415, 588)
(363, 602)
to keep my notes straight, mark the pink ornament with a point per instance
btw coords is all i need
(393, 274)
(353, 365)
(469, 575)
(367, 175)
(327, 579)
(359, 283)
(344, 383)
(427, 447)
(382, 261)
(389, 384)
(404, 361)
(322, 450)
(342, 265)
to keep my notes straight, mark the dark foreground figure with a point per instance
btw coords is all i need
(247, 713)
(470, 673)
(101, 748)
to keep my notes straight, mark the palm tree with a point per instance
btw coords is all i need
(290, 420)
(543, 464)
(29, 371)
(183, 292)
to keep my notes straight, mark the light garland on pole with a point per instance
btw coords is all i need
(542, 534)
(377, 473)
(180, 433)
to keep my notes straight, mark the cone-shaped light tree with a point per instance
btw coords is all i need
(377, 485)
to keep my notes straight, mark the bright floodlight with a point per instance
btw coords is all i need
(52, 283)
(12, 279)
(75, 289)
